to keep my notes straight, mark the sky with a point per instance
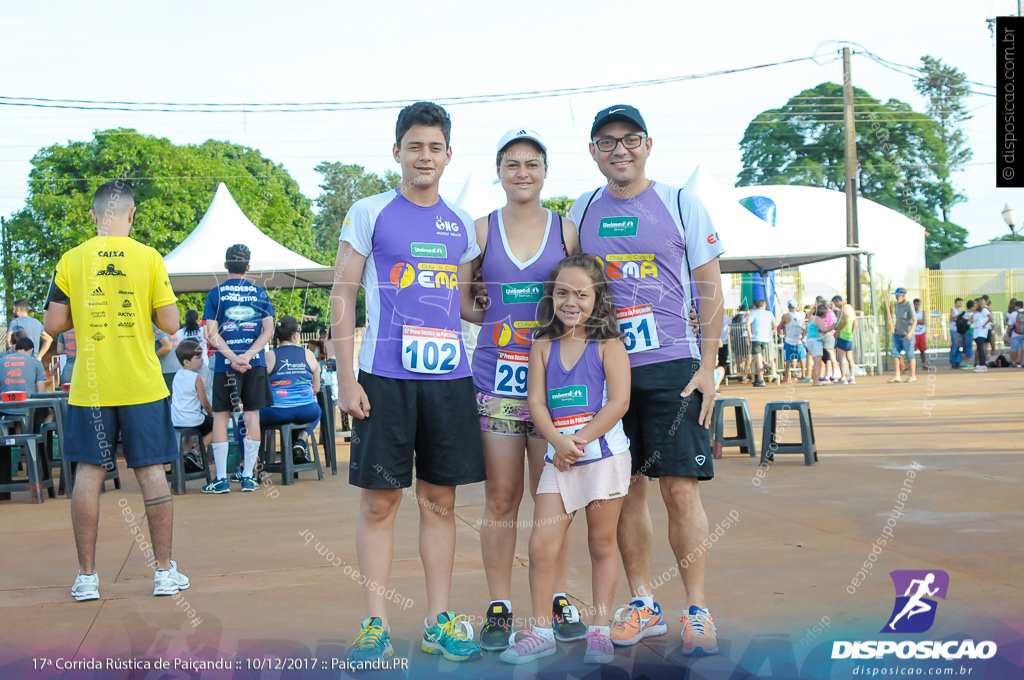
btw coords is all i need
(263, 52)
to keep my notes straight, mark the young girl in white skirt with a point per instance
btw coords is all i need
(578, 392)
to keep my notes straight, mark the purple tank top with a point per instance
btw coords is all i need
(503, 348)
(576, 395)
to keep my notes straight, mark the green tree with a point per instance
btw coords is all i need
(343, 185)
(946, 89)
(173, 185)
(898, 153)
(558, 204)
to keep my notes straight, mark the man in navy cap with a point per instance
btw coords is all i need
(660, 251)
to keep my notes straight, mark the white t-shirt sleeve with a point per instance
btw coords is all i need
(575, 214)
(702, 244)
(472, 247)
(357, 230)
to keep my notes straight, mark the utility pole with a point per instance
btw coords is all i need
(8, 272)
(852, 232)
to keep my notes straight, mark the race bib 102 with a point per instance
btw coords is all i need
(430, 350)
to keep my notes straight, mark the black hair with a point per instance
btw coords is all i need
(187, 349)
(21, 304)
(24, 344)
(958, 300)
(821, 310)
(837, 297)
(970, 304)
(191, 321)
(760, 303)
(423, 113)
(286, 328)
(602, 324)
(534, 144)
(236, 259)
(115, 196)
(917, 299)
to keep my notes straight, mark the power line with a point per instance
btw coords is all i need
(295, 107)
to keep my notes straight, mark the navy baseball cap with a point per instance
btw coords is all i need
(619, 112)
(900, 291)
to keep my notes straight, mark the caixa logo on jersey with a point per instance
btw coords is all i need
(914, 612)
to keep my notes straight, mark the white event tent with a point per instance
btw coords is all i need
(197, 264)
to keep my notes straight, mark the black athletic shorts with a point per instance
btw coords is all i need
(249, 391)
(664, 437)
(430, 422)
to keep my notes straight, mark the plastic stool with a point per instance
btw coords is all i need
(770, 445)
(744, 432)
(177, 475)
(28, 446)
(287, 466)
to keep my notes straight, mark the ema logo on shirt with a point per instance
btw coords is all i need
(573, 395)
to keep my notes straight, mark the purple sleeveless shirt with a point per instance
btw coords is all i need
(503, 348)
(576, 395)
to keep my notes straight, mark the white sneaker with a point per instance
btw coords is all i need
(87, 587)
(599, 646)
(169, 581)
(527, 646)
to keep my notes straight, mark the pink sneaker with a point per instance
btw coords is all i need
(599, 646)
(527, 646)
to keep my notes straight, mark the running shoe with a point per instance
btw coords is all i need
(636, 621)
(759, 383)
(373, 642)
(565, 620)
(217, 486)
(527, 646)
(804, 380)
(193, 461)
(237, 475)
(981, 369)
(300, 452)
(169, 581)
(699, 633)
(599, 647)
(249, 484)
(87, 587)
(451, 636)
(497, 629)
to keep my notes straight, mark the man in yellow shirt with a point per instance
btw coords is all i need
(109, 289)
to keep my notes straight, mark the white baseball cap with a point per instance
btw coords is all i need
(792, 304)
(520, 134)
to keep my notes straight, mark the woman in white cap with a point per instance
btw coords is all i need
(520, 244)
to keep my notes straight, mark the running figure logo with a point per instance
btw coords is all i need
(914, 612)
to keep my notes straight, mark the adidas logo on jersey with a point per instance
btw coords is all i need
(98, 291)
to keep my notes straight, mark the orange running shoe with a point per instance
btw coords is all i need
(635, 621)
(699, 633)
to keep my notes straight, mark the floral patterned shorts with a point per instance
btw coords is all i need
(505, 416)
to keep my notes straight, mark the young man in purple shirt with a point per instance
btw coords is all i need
(660, 252)
(412, 252)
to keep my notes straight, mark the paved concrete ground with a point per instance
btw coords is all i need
(779, 579)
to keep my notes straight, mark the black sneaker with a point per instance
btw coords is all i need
(193, 461)
(759, 383)
(300, 452)
(565, 619)
(494, 636)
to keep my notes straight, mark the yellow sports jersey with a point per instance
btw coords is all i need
(114, 284)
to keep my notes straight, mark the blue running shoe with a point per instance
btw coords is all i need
(451, 636)
(217, 486)
(249, 484)
(372, 643)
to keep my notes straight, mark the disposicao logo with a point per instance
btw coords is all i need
(914, 612)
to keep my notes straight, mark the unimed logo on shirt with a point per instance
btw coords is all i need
(618, 226)
(573, 395)
(515, 293)
(429, 250)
